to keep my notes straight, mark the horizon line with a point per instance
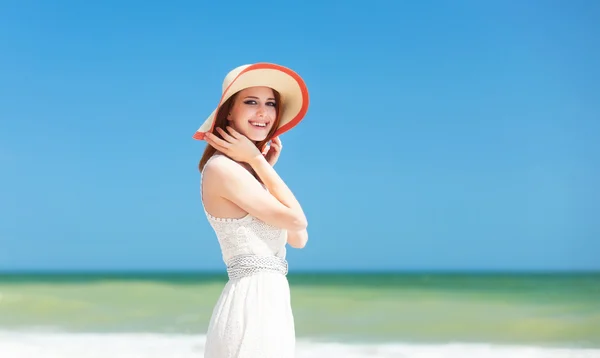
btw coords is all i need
(294, 272)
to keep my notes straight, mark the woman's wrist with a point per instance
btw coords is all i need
(257, 161)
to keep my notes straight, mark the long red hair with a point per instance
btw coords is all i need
(222, 122)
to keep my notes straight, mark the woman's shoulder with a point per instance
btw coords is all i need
(220, 166)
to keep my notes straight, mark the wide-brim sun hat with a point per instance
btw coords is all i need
(291, 87)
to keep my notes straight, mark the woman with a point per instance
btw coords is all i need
(252, 211)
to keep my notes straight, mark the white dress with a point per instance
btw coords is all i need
(253, 316)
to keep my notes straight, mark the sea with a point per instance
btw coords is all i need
(345, 315)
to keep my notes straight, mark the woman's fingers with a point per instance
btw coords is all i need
(276, 143)
(212, 143)
(233, 132)
(266, 149)
(216, 142)
(226, 135)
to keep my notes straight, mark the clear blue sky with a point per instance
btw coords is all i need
(459, 135)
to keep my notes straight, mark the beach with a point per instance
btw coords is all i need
(89, 315)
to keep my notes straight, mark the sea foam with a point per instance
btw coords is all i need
(148, 345)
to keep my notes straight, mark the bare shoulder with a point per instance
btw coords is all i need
(224, 172)
(220, 165)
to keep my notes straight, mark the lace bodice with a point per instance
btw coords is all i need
(247, 236)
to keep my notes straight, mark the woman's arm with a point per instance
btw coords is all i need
(297, 239)
(277, 207)
(231, 181)
(277, 186)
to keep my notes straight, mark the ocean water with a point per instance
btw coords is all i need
(337, 315)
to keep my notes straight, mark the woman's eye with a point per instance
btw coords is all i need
(253, 102)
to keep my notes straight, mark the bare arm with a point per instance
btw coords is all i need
(268, 175)
(277, 187)
(297, 239)
(278, 207)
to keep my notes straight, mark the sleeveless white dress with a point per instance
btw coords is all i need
(253, 316)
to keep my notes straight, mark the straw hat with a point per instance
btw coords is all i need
(291, 87)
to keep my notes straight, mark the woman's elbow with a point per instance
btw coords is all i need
(294, 221)
(298, 239)
(298, 245)
(299, 224)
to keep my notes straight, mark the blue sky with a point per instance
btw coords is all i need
(441, 135)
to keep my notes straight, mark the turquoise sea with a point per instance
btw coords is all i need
(408, 315)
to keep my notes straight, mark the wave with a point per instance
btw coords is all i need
(19, 344)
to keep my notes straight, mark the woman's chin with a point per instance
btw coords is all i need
(256, 137)
(254, 134)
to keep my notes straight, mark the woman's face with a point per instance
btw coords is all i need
(254, 112)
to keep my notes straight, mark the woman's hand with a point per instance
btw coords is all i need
(274, 151)
(235, 145)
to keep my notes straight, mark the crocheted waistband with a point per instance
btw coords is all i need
(247, 265)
